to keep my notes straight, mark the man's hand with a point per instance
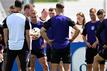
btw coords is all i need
(94, 45)
(88, 44)
(105, 46)
(49, 42)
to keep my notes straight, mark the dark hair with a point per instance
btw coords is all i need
(82, 15)
(59, 5)
(18, 4)
(51, 9)
(11, 7)
(44, 9)
(92, 10)
(27, 6)
(100, 12)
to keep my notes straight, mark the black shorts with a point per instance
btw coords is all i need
(38, 52)
(61, 55)
(90, 53)
(48, 53)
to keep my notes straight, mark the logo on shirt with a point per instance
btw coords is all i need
(92, 27)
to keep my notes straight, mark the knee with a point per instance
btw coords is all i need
(97, 58)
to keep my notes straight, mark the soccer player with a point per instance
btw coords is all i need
(89, 37)
(52, 13)
(17, 41)
(60, 42)
(44, 15)
(37, 43)
(101, 35)
(11, 9)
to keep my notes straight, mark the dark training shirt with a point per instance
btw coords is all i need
(59, 25)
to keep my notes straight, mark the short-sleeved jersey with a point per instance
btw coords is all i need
(101, 32)
(59, 25)
(102, 38)
(90, 30)
(38, 42)
(16, 23)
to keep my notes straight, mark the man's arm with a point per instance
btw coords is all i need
(27, 28)
(43, 30)
(5, 33)
(84, 36)
(72, 24)
(44, 35)
(75, 33)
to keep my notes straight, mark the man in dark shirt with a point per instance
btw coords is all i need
(102, 39)
(17, 41)
(60, 42)
(89, 37)
(37, 44)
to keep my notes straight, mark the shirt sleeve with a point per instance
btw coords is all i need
(71, 22)
(100, 29)
(47, 24)
(84, 32)
(27, 24)
(4, 23)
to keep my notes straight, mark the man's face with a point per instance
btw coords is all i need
(33, 16)
(101, 17)
(52, 13)
(11, 10)
(93, 15)
(44, 13)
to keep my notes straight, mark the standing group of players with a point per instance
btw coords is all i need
(55, 32)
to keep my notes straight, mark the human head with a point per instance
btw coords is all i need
(18, 6)
(11, 9)
(101, 14)
(80, 18)
(59, 8)
(44, 13)
(52, 12)
(33, 16)
(27, 9)
(92, 14)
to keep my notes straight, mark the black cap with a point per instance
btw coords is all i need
(100, 11)
(59, 5)
(18, 4)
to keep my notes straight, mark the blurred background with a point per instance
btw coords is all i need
(71, 8)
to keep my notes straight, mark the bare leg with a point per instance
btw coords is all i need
(32, 62)
(61, 68)
(97, 59)
(18, 63)
(43, 62)
(89, 67)
(102, 66)
(67, 67)
(54, 67)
